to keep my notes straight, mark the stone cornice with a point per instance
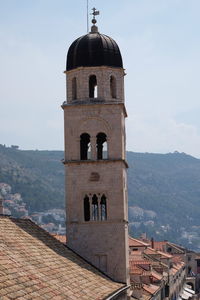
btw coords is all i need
(103, 161)
(96, 67)
(115, 221)
(96, 103)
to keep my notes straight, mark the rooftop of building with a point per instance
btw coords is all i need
(59, 237)
(35, 265)
(137, 243)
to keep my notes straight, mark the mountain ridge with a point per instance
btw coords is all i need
(163, 189)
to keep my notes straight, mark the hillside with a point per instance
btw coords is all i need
(164, 189)
(37, 175)
(164, 196)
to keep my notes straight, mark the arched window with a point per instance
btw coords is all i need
(85, 146)
(113, 87)
(93, 91)
(103, 208)
(95, 209)
(74, 89)
(102, 151)
(86, 208)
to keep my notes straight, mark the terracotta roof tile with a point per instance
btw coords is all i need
(151, 251)
(179, 249)
(139, 262)
(137, 243)
(135, 270)
(177, 259)
(61, 238)
(160, 245)
(150, 288)
(165, 254)
(34, 265)
(156, 275)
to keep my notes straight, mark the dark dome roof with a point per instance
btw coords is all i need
(92, 50)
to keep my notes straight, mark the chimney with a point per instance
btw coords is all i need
(1, 205)
(152, 243)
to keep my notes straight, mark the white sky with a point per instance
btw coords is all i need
(160, 45)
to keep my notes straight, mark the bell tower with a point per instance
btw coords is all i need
(95, 163)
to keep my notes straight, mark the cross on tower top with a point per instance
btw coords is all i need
(95, 13)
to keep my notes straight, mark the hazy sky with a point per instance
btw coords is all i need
(160, 45)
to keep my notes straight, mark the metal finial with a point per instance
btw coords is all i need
(95, 13)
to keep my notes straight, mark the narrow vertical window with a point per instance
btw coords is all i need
(86, 208)
(113, 87)
(74, 89)
(93, 89)
(95, 208)
(102, 151)
(103, 208)
(85, 146)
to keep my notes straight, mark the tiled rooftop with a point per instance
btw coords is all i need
(135, 270)
(164, 254)
(136, 255)
(137, 243)
(157, 275)
(176, 248)
(61, 238)
(139, 262)
(150, 288)
(160, 245)
(177, 259)
(152, 251)
(34, 265)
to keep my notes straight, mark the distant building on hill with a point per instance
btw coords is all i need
(15, 147)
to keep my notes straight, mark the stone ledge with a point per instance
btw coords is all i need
(88, 103)
(104, 161)
(117, 221)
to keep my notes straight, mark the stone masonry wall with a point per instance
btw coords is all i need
(103, 75)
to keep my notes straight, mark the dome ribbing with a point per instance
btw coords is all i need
(92, 50)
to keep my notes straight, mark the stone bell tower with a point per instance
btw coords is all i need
(96, 184)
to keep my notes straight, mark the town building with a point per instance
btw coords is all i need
(157, 274)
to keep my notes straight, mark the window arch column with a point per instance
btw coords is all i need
(95, 207)
(103, 208)
(93, 147)
(102, 146)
